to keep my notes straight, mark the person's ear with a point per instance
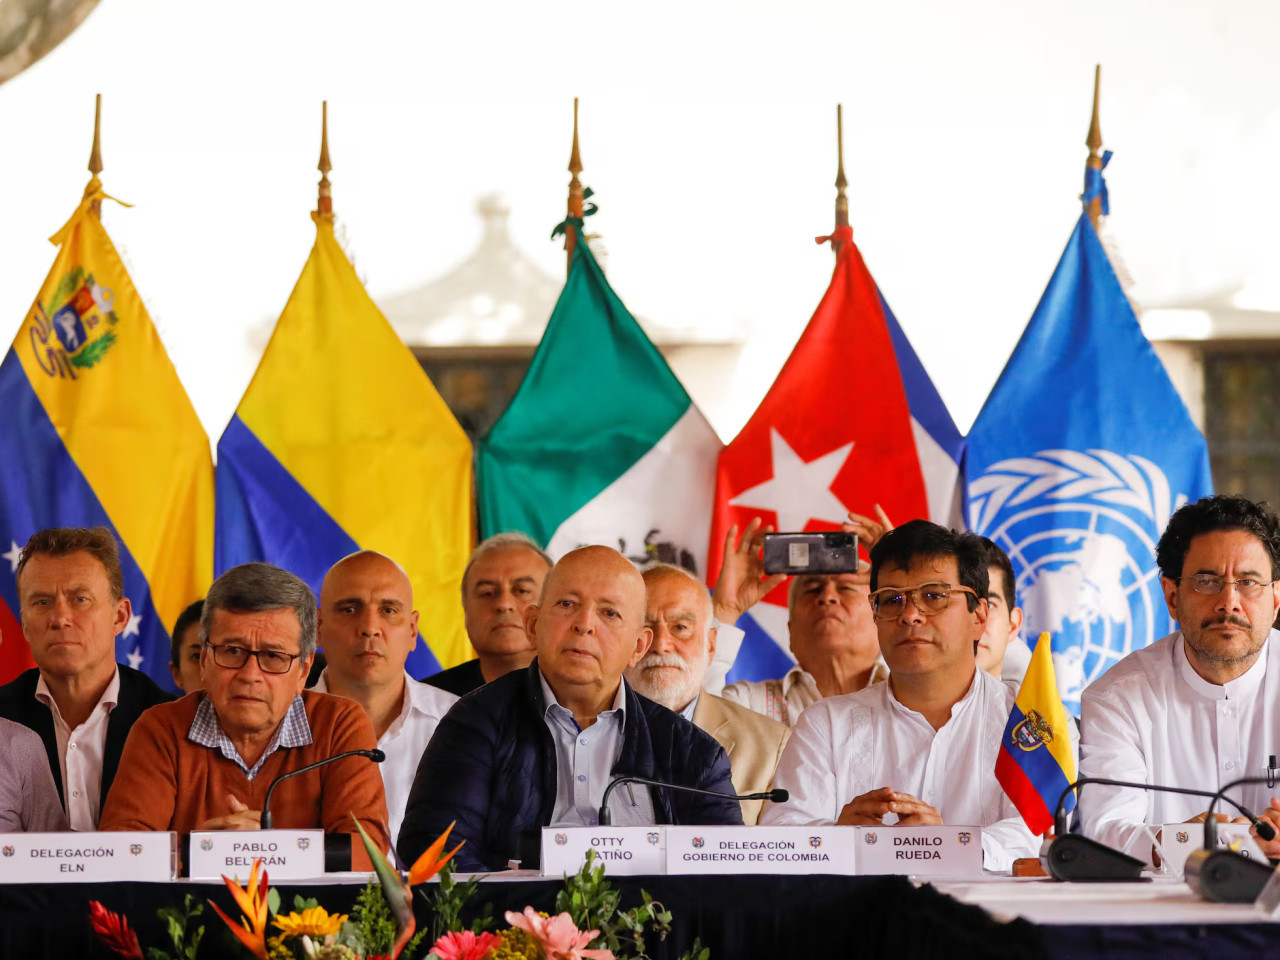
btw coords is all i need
(644, 640)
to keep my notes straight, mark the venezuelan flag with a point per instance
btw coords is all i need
(341, 443)
(1036, 763)
(98, 430)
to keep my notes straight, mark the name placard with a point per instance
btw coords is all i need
(88, 857)
(286, 854)
(1177, 840)
(952, 851)
(624, 851)
(775, 850)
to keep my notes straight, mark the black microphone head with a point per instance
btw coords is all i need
(779, 796)
(1264, 829)
(377, 756)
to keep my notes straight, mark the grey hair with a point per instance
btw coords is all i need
(670, 570)
(258, 587)
(501, 541)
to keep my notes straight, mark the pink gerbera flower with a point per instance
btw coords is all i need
(559, 938)
(464, 945)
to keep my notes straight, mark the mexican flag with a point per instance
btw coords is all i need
(601, 444)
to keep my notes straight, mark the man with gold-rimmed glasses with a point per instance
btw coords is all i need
(920, 748)
(205, 762)
(1199, 708)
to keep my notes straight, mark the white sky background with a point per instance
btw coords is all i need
(707, 132)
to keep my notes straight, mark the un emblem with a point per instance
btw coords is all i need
(1081, 529)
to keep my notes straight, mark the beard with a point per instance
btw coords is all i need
(1211, 649)
(667, 679)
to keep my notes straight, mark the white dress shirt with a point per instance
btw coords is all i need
(846, 746)
(1152, 719)
(584, 766)
(81, 753)
(405, 740)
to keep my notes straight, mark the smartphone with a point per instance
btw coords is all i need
(823, 552)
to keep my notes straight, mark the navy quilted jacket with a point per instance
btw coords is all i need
(491, 767)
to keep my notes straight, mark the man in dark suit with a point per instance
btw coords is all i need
(500, 581)
(77, 698)
(537, 747)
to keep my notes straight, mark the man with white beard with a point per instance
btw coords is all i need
(678, 610)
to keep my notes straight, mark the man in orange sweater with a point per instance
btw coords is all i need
(205, 762)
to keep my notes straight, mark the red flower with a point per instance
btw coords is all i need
(465, 945)
(113, 930)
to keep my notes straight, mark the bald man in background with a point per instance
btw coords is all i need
(368, 628)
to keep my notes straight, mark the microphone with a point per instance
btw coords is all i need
(1074, 857)
(606, 819)
(377, 756)
(1227, 876)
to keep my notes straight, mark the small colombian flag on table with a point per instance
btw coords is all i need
(1036, 763)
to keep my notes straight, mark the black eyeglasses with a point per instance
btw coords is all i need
(234, 657)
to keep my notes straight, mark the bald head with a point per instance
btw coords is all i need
(589, 624)
(368, 626)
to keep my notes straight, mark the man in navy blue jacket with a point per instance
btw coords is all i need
(537, 747)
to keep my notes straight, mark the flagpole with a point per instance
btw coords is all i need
(95, 154)
(1094, 142)
(324, 202)
(842, 201)
(576, 199)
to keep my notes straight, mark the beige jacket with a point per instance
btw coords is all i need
(753, 742)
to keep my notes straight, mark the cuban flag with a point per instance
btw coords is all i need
(1074, 464)
(852, 420)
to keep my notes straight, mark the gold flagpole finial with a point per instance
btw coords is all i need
(95, 155)
(324, 205)
(1094, 142)
(576, 200)
(842, 201)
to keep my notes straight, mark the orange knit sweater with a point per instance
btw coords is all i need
(167, 782)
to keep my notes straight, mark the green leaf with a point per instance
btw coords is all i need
(273, 901)
(67, 286)
(308, 903)
(93, 351)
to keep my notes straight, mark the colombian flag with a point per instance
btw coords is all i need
(341, 443)
(1035, 763)
(98, 430)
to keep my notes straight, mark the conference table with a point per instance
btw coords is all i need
(746, 916)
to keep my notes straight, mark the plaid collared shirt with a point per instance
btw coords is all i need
(294, 731)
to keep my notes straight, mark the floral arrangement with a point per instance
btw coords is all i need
(588, 924)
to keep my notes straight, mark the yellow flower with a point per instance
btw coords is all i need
(313, 922)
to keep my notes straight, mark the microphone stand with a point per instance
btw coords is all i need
(606, 819)
(1074, 857)
(377, 756)
(1228, 876)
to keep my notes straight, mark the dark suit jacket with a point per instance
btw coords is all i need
(491, 767)
(137, 692)
(459, 680)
